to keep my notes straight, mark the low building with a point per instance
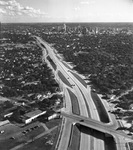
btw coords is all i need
(8, 114)
(53, 116)
(2, 123)
(29, 117)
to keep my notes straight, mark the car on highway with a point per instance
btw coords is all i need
(12, 138)
(81, 120)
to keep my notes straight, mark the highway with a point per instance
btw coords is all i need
(79, 109)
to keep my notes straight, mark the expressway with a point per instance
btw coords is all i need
(78, 104)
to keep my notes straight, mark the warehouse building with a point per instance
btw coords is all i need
(29, 117)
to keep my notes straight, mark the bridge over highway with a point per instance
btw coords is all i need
(96, 125)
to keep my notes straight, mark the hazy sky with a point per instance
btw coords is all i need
(66, 10)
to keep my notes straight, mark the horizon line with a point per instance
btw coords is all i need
(61, 22)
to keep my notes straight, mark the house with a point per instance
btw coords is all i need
(131, 106)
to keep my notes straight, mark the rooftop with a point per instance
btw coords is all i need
(33, 113)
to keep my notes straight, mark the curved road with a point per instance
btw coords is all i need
(69, 80)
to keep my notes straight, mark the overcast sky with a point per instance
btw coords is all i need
(66, 10)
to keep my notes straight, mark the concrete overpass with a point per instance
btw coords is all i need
(96, 125)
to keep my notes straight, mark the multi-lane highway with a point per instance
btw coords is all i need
(80, 110)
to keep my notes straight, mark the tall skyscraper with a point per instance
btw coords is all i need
(65, 27)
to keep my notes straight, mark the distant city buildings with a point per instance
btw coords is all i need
(82, 30)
